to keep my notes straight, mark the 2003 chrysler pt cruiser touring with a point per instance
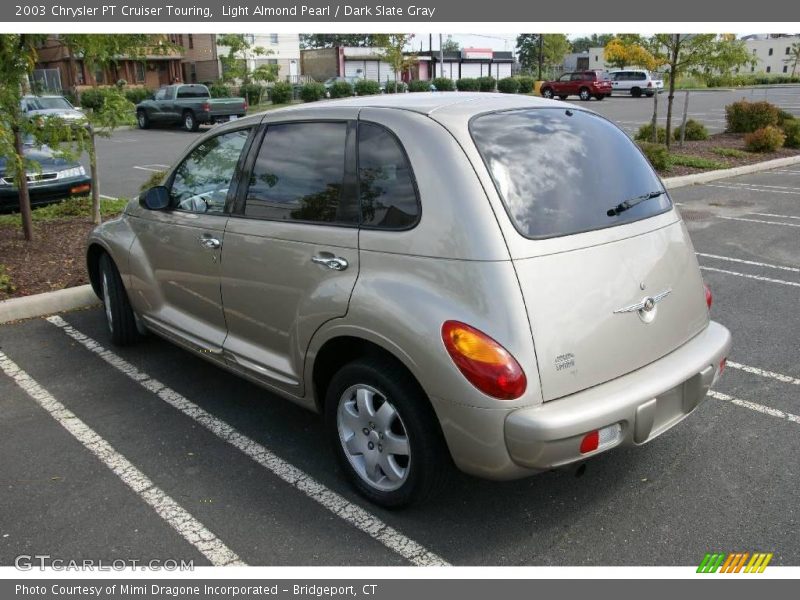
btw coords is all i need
(496, 281)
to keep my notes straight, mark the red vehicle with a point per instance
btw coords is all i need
(584, 84)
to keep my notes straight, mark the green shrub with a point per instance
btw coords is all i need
(526, 84)
(92, 99)
(137, 95)
(657, 154)
(419, 86)
(508, 85)
(729, 152)
(395, 87)
(765, 139)
(443, 84)
(694, 131)
(73, 207)
(467, 84)
(695, 161)
(784, 116)
(487, 84)
(341, 89)
(251, 92)
(6, 286)
(645, 133)
(746, 117)
(311, 92)
(219, 90)
(791, 129)
(367, 87)
(281, 92)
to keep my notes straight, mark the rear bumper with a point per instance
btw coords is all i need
(46, 193)
(643, 404)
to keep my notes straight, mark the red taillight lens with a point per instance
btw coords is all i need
(709, 297)
(205, 107)
(485, 363)
(246, 106)
(590, 442)
(649, 84)
(722, 364)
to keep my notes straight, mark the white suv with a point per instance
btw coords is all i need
(635, 82)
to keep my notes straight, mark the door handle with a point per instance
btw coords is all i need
(335, 263)
(210, 243)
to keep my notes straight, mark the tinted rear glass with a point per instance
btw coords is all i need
(192, 92)
(559, 171)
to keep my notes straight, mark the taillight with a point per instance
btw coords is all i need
(205, 107)
(245, 106)
(709, 297)
(649, 84)
(485, 363)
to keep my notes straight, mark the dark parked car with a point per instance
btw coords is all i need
(584, 84)
(55, 179)
(190, 105)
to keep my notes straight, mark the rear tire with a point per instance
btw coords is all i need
(636, 92)
(190, 121)
(119, 314)
(384, 433)
(142, 120)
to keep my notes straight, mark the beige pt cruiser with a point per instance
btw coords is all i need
(495, 281)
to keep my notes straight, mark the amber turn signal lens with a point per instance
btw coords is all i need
(485, 363)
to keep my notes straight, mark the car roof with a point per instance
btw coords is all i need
(426, 103)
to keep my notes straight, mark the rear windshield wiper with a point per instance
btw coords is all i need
(623, 206)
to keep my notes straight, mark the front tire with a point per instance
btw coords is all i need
(142, 120)
(190, 121)
(384, 433)
(547, 93)
(119, 314)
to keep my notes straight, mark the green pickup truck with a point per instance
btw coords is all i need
(189, 105)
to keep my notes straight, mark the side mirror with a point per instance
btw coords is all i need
(156, 198)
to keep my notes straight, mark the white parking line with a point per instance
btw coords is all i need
(764, 373)
(147, 169)
(761, 221)
(338, 505)
(766, 410)
(748, 276)
(775, 216)
(763, 185)
(748, 262)
(109, 197)
(192, 530)
(751, 189)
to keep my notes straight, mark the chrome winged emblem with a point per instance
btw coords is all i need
(646, 308)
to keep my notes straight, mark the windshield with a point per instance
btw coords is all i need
(558, 171)
(47, 103)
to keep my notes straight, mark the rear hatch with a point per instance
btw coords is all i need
(609, 285)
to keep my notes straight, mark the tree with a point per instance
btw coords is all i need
(541, 50)
(329, 40)
(236, 63)
(393, 45)
(100, 51)
(17, 60)
(450, 45)
(621, 52)
(696, 54)
(794, 57)
(583, 44)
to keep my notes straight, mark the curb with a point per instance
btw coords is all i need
(672, 183)
(38, 305)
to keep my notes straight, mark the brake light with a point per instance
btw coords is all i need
(485, 363)
(709, 297)
(649, 84)
(590, 442)
(205, 106)
(245, 106)
(722, 364)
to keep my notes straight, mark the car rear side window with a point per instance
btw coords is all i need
(562, 171)
(298, 174)
(386, 184)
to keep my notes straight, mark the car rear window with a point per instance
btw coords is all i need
(192, 92)
(560, 171)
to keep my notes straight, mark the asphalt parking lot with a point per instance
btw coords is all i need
(148, 452)
(129, 157)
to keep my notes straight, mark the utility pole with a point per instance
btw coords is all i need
(541, 54)
(441, 57)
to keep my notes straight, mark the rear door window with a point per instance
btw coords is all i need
(563, 171)
(299, 174)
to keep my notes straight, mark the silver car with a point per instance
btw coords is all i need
(495, 281)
